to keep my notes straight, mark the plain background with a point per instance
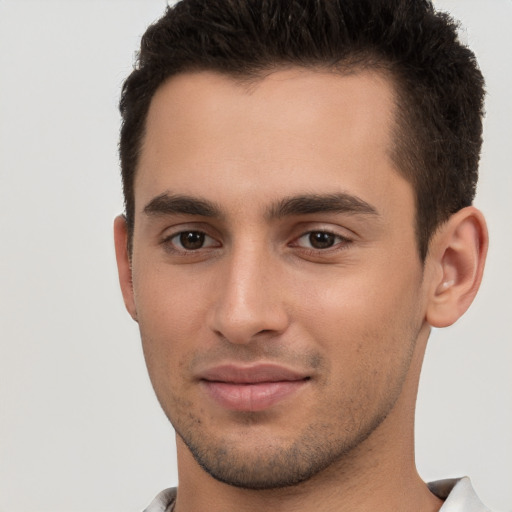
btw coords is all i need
(80, 429)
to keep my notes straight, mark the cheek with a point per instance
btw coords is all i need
(171, 317)
(366, 316)
(367, 334)
(169, 302)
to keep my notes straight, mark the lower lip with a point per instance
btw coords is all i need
(251, 397)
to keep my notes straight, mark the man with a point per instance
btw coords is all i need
(298, 179)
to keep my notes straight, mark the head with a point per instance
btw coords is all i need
(438, 86)
(297, 180)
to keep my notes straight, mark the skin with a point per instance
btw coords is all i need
(352, 317)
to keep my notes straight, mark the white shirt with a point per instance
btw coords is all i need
(458, 494)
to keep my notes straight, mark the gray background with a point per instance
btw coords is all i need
(80, 429)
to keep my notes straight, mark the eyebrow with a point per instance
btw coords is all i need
(319, 203)
(168, 204)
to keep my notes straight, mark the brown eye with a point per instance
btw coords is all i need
(191, 240)
(321, 239)
(188, 241)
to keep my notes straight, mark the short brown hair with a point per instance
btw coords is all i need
(439, 87)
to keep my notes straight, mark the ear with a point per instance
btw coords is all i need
(124, 267)
(456, 259)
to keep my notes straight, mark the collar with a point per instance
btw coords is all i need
(458, 494)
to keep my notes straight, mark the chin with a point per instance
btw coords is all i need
(269, 463)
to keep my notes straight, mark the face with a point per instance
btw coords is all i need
(276, 277)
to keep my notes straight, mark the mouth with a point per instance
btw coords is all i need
(251, 388)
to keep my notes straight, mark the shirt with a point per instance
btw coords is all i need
(457, 493)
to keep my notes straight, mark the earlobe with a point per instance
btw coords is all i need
(124, 264)
(457, 255)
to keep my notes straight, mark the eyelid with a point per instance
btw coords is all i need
(174, 229)
(341, 239)
(345, 239)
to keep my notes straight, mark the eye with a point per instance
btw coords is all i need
(320, 240)
(190, 241)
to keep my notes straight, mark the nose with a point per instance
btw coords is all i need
(249, 300)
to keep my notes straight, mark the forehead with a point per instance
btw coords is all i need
(293, 131)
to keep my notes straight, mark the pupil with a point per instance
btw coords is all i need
(321, 240)
(192, 240)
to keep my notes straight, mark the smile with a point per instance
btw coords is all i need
(251, 389)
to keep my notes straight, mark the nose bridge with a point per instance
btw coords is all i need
(248, 300)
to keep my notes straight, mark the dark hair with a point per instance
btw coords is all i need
(439, 87)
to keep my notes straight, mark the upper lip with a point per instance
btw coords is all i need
(250, 374)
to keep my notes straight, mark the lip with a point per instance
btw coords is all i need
(251, 388)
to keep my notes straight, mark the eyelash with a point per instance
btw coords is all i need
(339, 243)
(171, 246)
